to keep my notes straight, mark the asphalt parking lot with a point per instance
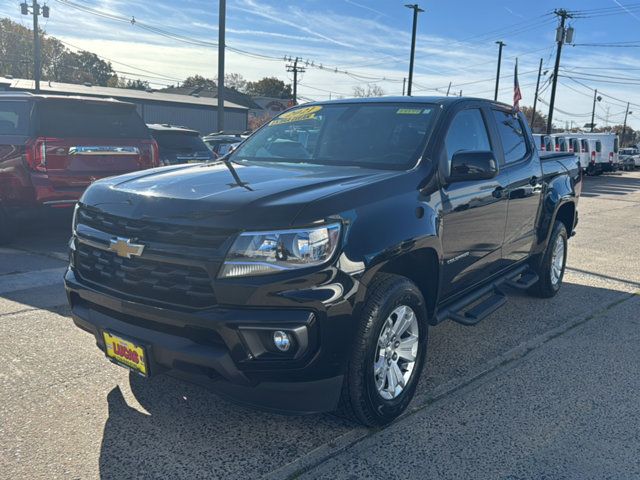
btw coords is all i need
(541, 389)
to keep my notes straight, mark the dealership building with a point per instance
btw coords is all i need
(192, 111)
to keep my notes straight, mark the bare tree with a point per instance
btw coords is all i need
(371, 91)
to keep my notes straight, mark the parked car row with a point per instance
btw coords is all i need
(598, 152)
(53, 147)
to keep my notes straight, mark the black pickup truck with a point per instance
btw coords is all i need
(301, 272)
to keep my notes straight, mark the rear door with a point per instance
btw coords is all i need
(474, 213)
(521, 164)
(83, 141)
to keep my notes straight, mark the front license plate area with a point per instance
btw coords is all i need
(126, 353)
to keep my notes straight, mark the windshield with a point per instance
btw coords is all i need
(374, 135)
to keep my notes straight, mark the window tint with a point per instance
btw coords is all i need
(95, 120)
(467, 132)
(598, 146)
(512, 136)
(585, 145)
(377, 135)
(14, 117)
(615, 144)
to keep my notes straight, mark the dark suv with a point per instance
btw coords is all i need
(179, 144)
(53, 147)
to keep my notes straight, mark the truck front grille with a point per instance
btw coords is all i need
(161, 282)
(154, 231)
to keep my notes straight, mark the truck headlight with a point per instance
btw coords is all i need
(260, 253)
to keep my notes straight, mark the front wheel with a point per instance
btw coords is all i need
(550, 268)
(388, 356)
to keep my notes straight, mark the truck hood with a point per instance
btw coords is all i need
(238, 195)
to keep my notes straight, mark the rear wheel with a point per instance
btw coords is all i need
(550, 268)
(388, 355)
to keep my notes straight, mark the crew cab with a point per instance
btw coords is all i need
(53, 147)
(301, 272)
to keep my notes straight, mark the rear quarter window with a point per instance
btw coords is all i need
(14, 117)
(512, 136)
(89, 120)
(180, 141)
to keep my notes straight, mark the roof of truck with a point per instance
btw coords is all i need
(438, 100)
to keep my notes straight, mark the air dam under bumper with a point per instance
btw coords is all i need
(215, 353)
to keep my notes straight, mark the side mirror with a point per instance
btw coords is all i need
(466, 166)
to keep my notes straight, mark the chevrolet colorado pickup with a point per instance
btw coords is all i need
(301, 272)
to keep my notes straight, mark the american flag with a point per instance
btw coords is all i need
(517, 94)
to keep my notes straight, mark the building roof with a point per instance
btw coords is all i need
(230, 95)
(110, 92)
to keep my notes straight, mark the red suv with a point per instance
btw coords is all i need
(53, 147)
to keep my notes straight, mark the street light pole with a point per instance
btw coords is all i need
(416, 9)
(501, 44)
(36, 46)
(222, 13)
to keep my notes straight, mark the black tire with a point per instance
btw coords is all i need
(6, 232)
(545, 287)
(360, 400)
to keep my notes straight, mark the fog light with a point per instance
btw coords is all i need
(281, 340)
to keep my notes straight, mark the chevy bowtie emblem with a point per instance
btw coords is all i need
(124, 248)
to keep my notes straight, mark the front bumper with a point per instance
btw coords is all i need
(221, 348)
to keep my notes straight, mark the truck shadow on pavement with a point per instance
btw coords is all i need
(189, 432)
(610, 185)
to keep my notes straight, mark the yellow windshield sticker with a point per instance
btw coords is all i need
(297, 115)
(409, 111)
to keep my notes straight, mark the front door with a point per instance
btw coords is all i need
(473, 213)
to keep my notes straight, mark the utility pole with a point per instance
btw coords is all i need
(561, 36)
(593, 111)
(535, 98)
(35, 11)
(416, 9)
(624, 127)
(404, 84)
(448, 89)
(222, 13)
(460, 93)
(501, 44)
(295, 69)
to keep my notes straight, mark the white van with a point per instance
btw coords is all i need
(608, 160)
(543, 142)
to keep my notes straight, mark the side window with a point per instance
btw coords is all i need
(598, 146)
(512, 135)
(467, 132)
(14, 117)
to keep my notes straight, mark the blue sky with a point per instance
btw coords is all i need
(369, 40)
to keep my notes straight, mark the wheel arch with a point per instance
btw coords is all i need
(422, 267)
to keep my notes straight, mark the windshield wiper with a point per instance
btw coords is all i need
(225, 159)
